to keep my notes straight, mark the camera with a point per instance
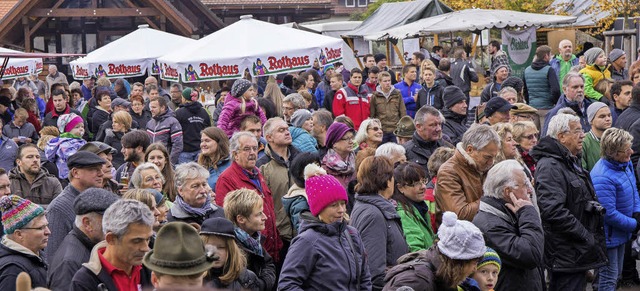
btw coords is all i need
(595, 207)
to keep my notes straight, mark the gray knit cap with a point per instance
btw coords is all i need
(593, 109)
(299, 117)
(239, 87)
(592, 54)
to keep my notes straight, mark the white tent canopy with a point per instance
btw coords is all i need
(132, 55)
(263, 48)
(471, 20)
(19, 67)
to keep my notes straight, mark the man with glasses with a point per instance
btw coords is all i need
(85, 171)
(253, 124)
(290, 104)
(26, 232)
(599, 115)
(572, 218)
(512, 227)
(573, 97)
(427, 137)
(243, 173)
(459, 185)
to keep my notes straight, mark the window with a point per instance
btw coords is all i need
(350, 3)
(363, 3)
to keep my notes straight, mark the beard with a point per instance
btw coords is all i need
(133, 157)
(31, 171)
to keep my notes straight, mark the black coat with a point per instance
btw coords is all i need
(455, 125)
(74, 250)
(518, 239)
(574, 235)
(433, 96)
(141, 119)
(418, 150)
(193, 118)
(99, 117)
(629, 121)
(177, 214)
(262, 266)
(13, 262)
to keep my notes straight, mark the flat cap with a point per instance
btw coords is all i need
(94, 200)
(84, 159)
(120, 102)
(218, 226)
(97, 148)
(523, 108)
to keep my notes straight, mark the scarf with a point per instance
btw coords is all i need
(334, 162)
(202, 211)
(69, 135)
(249, 242)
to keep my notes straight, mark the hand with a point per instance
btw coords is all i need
(124, 188)
(16, 140)
(516, 203)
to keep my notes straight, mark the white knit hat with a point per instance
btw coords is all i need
(460, 239)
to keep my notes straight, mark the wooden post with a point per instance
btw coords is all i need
(388, 51)
(401, 56)
(436, 40)
(27, 34)
(475, 44)
(350, 43)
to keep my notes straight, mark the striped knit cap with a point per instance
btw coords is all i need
(17, 212)
(490, 257)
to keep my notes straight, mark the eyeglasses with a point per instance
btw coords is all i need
(627, 150)
(575, 131)
(346, 138)
(41, 228)
(419, 183)
(375, 128)
(249, 149)
(532, 136)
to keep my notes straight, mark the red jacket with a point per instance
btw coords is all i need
(352, 102)
(234, 178)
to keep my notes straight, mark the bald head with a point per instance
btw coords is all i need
(565, 48)
(150, 81)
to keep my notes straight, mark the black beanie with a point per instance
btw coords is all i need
(452, 96)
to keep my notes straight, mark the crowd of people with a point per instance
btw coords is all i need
(329, 179)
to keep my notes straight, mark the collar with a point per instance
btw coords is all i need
(54, 112)
(17, 247)
(82, 237)
(111, 268)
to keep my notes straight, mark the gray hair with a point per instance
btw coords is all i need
(560, 123)
(323, 117)
(421, 114)
(136, 177)
(499, 177)
(234, 142)
(124, 212)
(570, 75)
(508, 90)
(269, 125)
(189, 171)
(93, 216)
(361, 135)
(479, 136)
(296, 100)
(389, 150)
(177, 85)
(614, 140)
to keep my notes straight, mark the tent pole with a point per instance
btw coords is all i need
(436, 39)
(400, 55)
(475, 44)
(4, 66)
(388, 52)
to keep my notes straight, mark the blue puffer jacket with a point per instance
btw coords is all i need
(302, 140)
(615, 186)
(215, 173)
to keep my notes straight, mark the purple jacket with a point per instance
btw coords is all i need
(231, 115)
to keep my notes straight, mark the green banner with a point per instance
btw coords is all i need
(520, 46)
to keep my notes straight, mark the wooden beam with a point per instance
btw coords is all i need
(99, 12)
(355, 53)
(27, 35)
(147, 19)
(43, 20)
(400, 55)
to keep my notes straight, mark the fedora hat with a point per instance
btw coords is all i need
(179, 251)
(405, 127)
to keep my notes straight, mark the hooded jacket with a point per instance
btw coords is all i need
(408, 91)
(193, 119)
(459, 185)
(541, 86)
(416, 270)
(433, 96)
(592, 75)
(276, 172)
(44, 188)
(615, 186)
(519, 240)
(381, 230)
(302, 140)
(166, 129)
(419, 150)
(444, 79)
(92, 275)
(142, 118)
(573, 232)
(455, 125)
(388, 108)
(324, 258)
(59, 149)
(14, 259)
(462, 74)
(561, 67)
(294, 203)
(353, 102)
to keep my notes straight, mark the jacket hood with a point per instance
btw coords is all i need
(356, 89)
(278, 159)
(386, 207)
(295, 191)
(94, 264)
(16, 248)
(193, 107)
(309, 221)
(379, 90)
(16, 174)
(296, 132)
(550, 147)
(539, 64)
(450, 115)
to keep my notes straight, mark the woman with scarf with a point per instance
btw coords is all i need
(340, 160)
(526, 136)
(214, 153)
(193, 203)
(245, 209)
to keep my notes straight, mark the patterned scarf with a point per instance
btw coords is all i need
(202, 211)
(249, 242)
(334, 162)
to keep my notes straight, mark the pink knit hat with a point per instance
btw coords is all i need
(322, 189)
(67, 122)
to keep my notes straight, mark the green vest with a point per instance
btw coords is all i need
(538, 87)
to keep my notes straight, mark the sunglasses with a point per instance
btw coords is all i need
(532, 136)
(375, 128)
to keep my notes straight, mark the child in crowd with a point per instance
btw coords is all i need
(239, 103)
(486, 275)
(59, 149)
